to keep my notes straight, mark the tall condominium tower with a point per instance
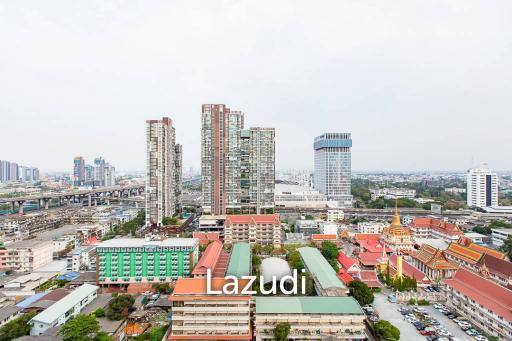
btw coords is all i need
(78, 171)
(333, 167)
(482, 188)
(237, 165)
(163, 171)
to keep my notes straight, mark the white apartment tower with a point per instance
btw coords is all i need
(237, 165)
(333, 172)
(482, 188)
(163, 171)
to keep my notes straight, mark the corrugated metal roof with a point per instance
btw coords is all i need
(320, 268)
(60, 307)
(28, 301)
(141, 242)
(240, 260)
(307, 305)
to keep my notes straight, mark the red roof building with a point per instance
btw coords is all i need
(345, 277)
(213, 258)
(481, 301)
(206, 237)
(348, 264)
(372, 245)
(469, 256)
(263, 229)
(409, 271)
(434, 228)
(368, 277)
(369, 259)
(432, 262)
(497, 270)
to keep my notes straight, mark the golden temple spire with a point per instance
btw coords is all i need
(396, 216)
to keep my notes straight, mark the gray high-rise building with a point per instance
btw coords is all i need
(237, 165)
(78, 171)
(163, 171)
(333, 172)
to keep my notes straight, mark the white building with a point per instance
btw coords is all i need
(335, 215)
(29, 255)
(163, 193)
(63, 310)
(500, 235)
(333, 170)
(293, 196)
(392, 193)
(482, 188)
(82, 258)
(370, 227)
(329, 228)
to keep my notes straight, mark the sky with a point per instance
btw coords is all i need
(421, 85)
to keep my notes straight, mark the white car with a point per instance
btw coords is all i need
(472, 332)
(438, 305)
(481, 338)
(444, 332)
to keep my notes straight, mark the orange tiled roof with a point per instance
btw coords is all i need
(486, 250)
(409, 270)
(323, 237)
(134, 328)
(366, 236)
(436, 224)
(460, 251)
(209, 258)
(492, 296)
(433, 258)
(252, 219)
(197, 286)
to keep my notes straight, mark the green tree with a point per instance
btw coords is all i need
(169, 221)
(153, 334)
(256, 261)
(281, 331)
(162, 288)
(17, 327)
(361, 292)
(118, 307)
(267, 249)
(507, 247)
(100, 312)
(295, 261)
(386, 331)
(81, 328)
(329, 250)
(310, 285)
(256, 249)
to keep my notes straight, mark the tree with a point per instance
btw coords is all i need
(281, 331)
(81, 328)
(310, 285)
(329, 250)
(169, 221)
(361, 292)
(295, 261)
(162, 288)
(100, 312)
(17, 327)
(507, 247)
(267, 249)
(386, 331)
(256, 261)
(118, 307)
(256, 249)
(153, 334)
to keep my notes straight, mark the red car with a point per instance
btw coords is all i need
(427, 333)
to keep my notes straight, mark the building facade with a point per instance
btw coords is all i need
(482, 190)
(435, 228)
(163, 171)
(29, 255)
(333, 172)
(237, 165)
(310, 318)
(136, 260)
(263, 229)
(78, 171)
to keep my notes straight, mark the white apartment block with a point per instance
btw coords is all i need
(482, 188)
(370, 227)
(333, 170)
(29, 255)
(329, 228)
(163, 165)
(500, 235)
(392, 193)
(63, 310)
(237, 165)
(263, 229)
(335, 215)
(83, 258)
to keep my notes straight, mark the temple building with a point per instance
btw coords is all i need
(433, 263)
(397, 237)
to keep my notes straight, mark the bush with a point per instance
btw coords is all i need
(361, 292)
(100, 312)
(386, 331)
(412, 301)
(423, 302)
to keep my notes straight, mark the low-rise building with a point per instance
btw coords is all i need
(329, 228)
(212, 223)
(392, 193)
(240, 260)
(197, 315)
(9, 313)
(435, 228)
(136, 260)
(307, 227)
(324, 276)
(369, 227)
(63, 310)
(433, 263)
(469, 256)
(500, 235)
(82, 258)
(482, 302)
(29, 255)
(263, 229)
(310, 318)
(214, 258)
(335, 215)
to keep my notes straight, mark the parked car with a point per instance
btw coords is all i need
(472, 332)
(427, 332)
(432, 338)
(481, 338)
(451, 316)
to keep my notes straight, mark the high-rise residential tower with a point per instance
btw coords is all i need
(482, 190)
(163, 171)
(333, 167)
(237, 165)
(78, 171)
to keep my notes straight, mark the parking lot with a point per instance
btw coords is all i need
(389, 311)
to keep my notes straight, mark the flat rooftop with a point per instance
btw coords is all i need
(240, 260)
(141, 242)
(308, 305)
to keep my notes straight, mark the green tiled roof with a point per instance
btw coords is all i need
(240, 260)
(320, 268)
(307, 305)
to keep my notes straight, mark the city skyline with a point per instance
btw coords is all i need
(413, 97)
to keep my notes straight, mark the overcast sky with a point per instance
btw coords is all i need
(421, 85)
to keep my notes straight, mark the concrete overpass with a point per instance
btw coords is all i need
(90, 196)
